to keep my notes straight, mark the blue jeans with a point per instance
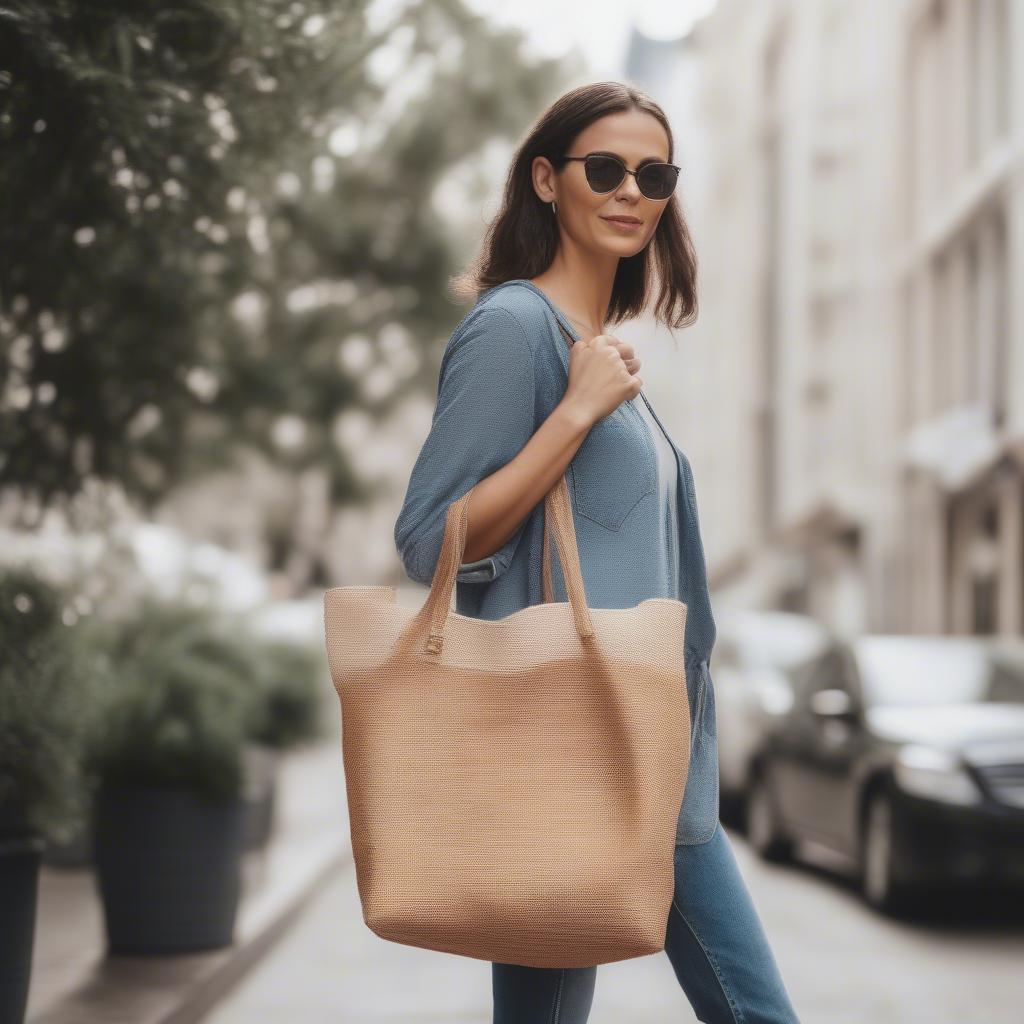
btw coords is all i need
(714, 939)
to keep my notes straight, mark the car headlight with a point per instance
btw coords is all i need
(935, 774)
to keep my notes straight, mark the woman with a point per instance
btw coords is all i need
(533, 387)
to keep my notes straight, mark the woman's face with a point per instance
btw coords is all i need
(634, 136)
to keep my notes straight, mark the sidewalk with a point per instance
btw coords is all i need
(74, 982)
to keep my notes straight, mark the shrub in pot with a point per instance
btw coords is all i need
(284, 713)
(43, 798)
(168, 761)
(70, 846)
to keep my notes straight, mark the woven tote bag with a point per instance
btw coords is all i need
(513, 785)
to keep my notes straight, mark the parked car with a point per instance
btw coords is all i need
(752, 653)
(905, 754)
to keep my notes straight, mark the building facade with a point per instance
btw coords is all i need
(858, 439)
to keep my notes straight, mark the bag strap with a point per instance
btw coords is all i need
(558, 510)
(546, 559)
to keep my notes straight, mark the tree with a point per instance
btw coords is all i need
(197, 199)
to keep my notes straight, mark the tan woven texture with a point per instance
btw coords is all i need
(513, 784)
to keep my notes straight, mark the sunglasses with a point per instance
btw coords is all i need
(605, 173)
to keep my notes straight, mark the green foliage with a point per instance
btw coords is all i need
(290, 686)
(125, 128)
(178, 704)
(150, 257)
(45, 708)
(186, 688)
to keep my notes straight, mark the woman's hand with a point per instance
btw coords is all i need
(628, 354)
(602, 375)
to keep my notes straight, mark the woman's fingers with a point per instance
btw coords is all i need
(628, 355)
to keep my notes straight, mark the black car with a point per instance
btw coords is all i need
(905, 754)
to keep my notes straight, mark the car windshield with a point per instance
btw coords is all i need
(939, 670)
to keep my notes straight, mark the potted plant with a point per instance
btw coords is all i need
(43, 718)
(168, 763)
(285, 712)
(70, 846)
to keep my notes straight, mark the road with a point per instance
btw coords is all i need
(842, 963)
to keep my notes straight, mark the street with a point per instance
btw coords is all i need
(842, 963)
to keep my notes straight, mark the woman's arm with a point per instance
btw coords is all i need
(502, 501)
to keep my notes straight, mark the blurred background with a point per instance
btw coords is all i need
(226, 236)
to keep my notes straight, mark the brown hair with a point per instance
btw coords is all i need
(522, 239)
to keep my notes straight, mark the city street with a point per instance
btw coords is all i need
(714, 305)
(842, 963)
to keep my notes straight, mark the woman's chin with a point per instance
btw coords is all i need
(621, 247)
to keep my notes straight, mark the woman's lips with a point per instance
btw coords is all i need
(623, 224)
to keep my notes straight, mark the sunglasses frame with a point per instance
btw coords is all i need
(625, 171)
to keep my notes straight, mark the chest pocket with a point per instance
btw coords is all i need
(613, 469)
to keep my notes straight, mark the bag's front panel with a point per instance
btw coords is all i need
(503, 768)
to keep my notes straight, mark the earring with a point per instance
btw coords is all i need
(554, 207)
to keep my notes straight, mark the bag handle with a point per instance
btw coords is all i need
(557, 509)
(546, 560)
(549, 593)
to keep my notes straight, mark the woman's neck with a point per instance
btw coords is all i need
(583, 296)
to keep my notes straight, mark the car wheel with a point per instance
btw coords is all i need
(878, 883)
(762, 823)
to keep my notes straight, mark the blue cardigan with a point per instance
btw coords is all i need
(503, 371)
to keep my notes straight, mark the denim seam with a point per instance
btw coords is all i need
(556, 1009)
(698, 717)
(697, 739)
(737, 1014)
(704, 837)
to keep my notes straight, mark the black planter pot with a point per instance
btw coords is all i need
(168, 867)
(19, 886)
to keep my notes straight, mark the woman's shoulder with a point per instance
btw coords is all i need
(508, 312)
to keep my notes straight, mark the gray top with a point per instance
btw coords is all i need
(668, 509)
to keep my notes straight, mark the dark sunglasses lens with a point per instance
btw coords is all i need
(657, 181)
(603, 173)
